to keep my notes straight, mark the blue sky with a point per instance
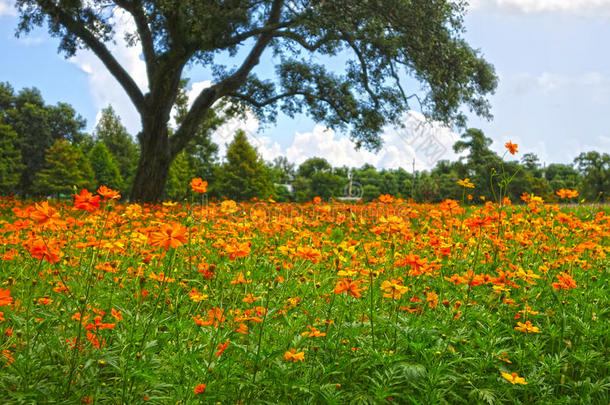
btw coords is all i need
(551, 56)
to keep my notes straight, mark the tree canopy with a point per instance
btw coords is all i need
(38, 126)
(386, 43)
(244, 175)
(65, 169)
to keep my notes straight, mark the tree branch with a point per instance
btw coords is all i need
(271, 100)
(148, 48)
(293, 36)
(365, 74)
(98, 47)
(256, 31)
(207, 97)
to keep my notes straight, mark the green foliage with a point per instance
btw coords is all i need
(10, 160)
(37, 126)
(562, 176)
(595, 169)
(64, 169)
(244, 175)
(316, 178)
(370, 192)
(200, 154)
(180, 174)
(120, 144)
(105, 168)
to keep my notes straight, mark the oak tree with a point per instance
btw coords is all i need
(387, 44)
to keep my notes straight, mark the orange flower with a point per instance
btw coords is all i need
(242, 328)
(240, 279)
(118, 315)
(393, 288)
(527, 327)
(161, 277)
(313, 332)
(432, 299)
(512, 147)
(386, 198)
(169, 235)
(86, 201)
(237, 249)
(349, 286)
(5, 297)
(565, 193)
(222, 347)
(44, 214)
(8, 356)
(108, 193)
(514, 378)
(215, 317)
(198, 185)
(41, 250)
(309, 253)
(200, 389)
(292, 355)
(565, 282)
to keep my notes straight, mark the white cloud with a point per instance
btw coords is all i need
(420, 141)
(7, 7)
(578, 7)
(103, 86)
(225, 133)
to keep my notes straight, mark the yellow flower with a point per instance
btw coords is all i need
(292, 355)
(527, 327)
(514, 378)
(465, 183)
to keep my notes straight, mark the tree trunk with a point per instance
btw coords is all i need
(153, 167)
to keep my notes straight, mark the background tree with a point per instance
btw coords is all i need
(370, 192)
(105, 168)
(120, 144)
(561, 176)
(480, 162)
(316, 177)
(595, 169)
(284, 168)
(281, 173)
(531, 163)
(201, 153)
(387, 42)
(426, 188)
(37, 126)
(10, 160)
(244, 175)
(64, 168)
(180, 174)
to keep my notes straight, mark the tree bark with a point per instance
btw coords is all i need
(153, 167)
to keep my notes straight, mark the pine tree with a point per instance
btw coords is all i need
(64, 168)
(122, 147)
(105, 167)
(10, 160)
(180, 174)
(244, 175)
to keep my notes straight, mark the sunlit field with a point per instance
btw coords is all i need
(261, 302)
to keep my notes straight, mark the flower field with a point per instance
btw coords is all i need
(260, 302)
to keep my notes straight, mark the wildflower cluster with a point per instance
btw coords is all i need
(267, 302)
